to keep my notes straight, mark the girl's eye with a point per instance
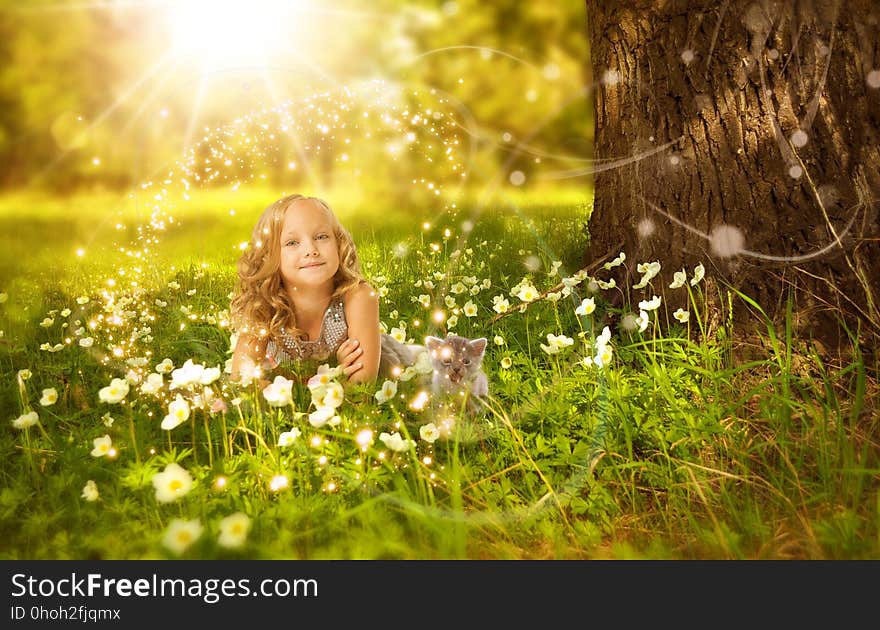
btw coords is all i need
(322, 236)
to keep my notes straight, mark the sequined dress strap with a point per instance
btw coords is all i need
(334, 330)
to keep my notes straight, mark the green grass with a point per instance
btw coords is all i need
(690, 444)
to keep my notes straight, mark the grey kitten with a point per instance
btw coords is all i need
(458, 369)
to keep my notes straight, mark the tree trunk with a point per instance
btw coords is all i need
(745, 136)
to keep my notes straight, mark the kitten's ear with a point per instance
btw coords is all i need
(478, 345)
(432, 343)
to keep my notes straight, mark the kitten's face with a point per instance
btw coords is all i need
(456, 358)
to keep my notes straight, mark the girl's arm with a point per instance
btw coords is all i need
(361, 306)
(249, 353)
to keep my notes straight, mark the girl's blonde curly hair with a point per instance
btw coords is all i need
(260, 305)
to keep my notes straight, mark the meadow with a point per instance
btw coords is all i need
(664, 437)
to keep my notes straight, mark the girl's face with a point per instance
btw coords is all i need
(309, 251)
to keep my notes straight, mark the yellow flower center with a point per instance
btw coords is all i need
(175, 485)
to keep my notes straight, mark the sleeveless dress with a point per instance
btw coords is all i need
(301, 357)
(286, 351)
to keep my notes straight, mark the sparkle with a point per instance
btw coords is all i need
(517, 178)
(726, 241)
(278, 483)
(645, 228)
(799, 138)
(364, 437)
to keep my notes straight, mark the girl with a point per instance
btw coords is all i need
(301, 295)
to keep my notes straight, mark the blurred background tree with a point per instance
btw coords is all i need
(104, 95)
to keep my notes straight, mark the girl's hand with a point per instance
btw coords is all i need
(347, 355)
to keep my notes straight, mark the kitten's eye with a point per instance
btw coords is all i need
(467, 361)
(447, 361)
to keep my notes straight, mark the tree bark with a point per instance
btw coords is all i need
(716, 120)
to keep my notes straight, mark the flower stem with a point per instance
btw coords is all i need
(137, 454)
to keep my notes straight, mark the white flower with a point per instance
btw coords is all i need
(699, 272)
(172, 483)
(181, 534)
(425, 300)
(102, 446)
(642, 321)
(650, 305)
(234, 530)
(587, 306)
(555, 296)
(165, 366)
(498, 340)
(603, 356)
(388, 391)
(678, 279)
(604, 337)
(50, 397)
(648, 271)
(65, 312)
(682, 316)
(452, 321)
(556, 343)
(188, 374)
(288, 437)
(470, 309)
(322, 378)
(500, 304)
(90, 491)
(606, 285)
(153, 383)
(83, 299)
(24, 374)
(321, 416)
(86, 342)
(210, 375)
(395, 442)
(506, 363)
(457, 288)
(449, 301)
(279, 393)
(429, 432)
(616, 262)
(25, 420)
(334, 395)
(527, 293)
(399, 334)
(47, 322)
(107, 420)
(178, 413)
(115, 392)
